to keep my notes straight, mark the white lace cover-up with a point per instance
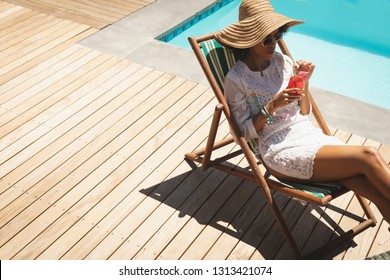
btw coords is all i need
(288, 144)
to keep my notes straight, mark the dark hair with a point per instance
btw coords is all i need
(283, 29)
(240, 54)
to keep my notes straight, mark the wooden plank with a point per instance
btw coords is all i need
(163, 183)
(81, 9)
(33, 157)
(27, 48)
(384, 150)
(381, 242)
(6, 10)
(94, 92)
(26, 112)
(141, 178)
(121, 8)
(249, 240)
(191, 218)
(123, 224)
(130, 5)
(21, 83)
(75, 195)
(61, 13)
(8, 85)
(138, 175)
(29, 33)
(20, 65)
(13, 22)
(133, 241)
(63, 130)
(240, 224)
(104, 138)
(109, 163)
(362, 243)
(77, 102)
(15, 12)
(11, 37)
(269, 246)
(229, 226)
(30, 195)
(6, 154)
(5, 6)
(66, 119)
(250, 245)
(24, 96)
(97, 14)
(66, 97)
(33, 91)
(134, 179)
(184, 238)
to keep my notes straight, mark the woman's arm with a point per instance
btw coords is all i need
(236, 98)
(304, 103)
(239, 108)
(280, 100)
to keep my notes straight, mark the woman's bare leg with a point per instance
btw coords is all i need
(361, 169)
(335, 163)
(363, 187)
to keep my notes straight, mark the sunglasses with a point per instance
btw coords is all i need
(269, 39)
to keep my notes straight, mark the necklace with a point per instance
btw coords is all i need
(263, 68)
(256, 66)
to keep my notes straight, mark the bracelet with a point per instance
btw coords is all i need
(266, 114)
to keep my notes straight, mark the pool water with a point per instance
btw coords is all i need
(348, 40)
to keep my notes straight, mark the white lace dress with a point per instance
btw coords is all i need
(287, 145)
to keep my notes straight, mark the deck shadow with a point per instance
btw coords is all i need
(235, 208)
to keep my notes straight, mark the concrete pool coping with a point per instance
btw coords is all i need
(133, 38)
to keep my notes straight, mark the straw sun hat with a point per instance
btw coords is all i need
(257, 19)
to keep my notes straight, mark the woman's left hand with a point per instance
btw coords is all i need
(307, 66)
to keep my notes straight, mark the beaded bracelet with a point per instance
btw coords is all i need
(266, 114)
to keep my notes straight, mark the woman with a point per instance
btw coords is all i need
(264, 108)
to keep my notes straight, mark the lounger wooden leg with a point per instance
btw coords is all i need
(212, 135)
(203, 156)
(197, 155)
(367, 210)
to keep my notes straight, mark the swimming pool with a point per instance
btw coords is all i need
(347, 40)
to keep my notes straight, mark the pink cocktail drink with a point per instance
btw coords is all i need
(298, 81)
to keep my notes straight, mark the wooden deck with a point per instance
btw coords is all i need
(91, 159)
(95, 13)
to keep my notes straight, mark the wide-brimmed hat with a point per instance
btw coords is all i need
(257, 19)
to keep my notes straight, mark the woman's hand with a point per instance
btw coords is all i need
(288, 96)
(305, 65)
(284, 98)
